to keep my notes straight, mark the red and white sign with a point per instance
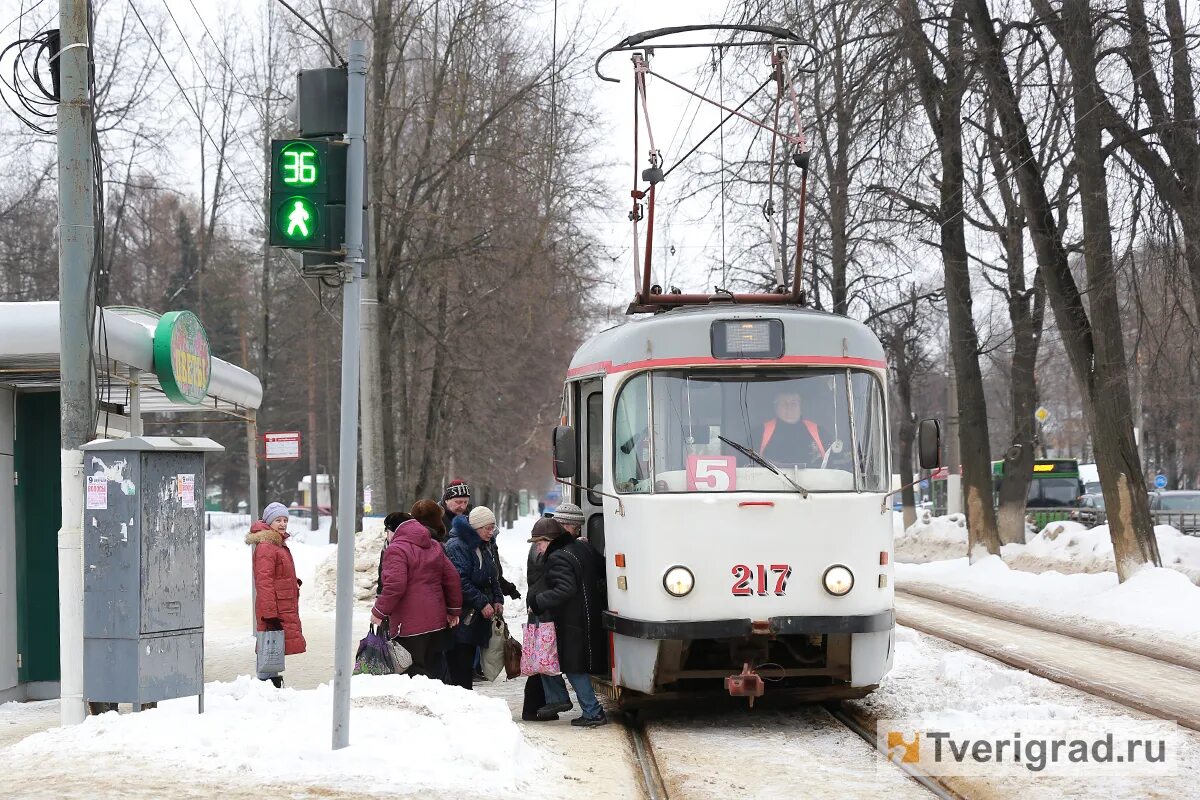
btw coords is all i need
(711, 474)
(281, 446)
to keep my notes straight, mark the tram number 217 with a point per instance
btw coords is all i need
(748, 581)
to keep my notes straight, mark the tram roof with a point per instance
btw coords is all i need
(681, 337)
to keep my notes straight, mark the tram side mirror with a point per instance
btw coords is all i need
(564, 452)
(929, 444)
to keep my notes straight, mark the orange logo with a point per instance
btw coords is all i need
(901, 751)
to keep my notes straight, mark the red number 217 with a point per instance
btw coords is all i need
(745, 583)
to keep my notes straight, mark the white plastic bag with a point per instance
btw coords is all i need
(270, 652)
(491, 661)
(401, 658)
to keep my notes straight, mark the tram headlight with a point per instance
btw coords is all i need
(838, 580)
(678, 581)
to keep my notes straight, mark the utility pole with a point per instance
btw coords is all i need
(348, 461)
(954, 504)
(76, 240)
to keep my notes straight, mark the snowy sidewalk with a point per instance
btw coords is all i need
(1163, 690)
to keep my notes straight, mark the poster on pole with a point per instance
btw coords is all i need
(97, 492)
(281, 446)
(187, 489)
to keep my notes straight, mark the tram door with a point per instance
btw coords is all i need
(589, 409)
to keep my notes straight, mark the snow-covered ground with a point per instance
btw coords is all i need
(933, 682)
(411, 735)
(1064, 573)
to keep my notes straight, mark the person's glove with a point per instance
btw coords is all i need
(532, 604)
(273, 623)
(513, 592)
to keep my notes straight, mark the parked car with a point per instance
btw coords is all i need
(1179, 509)
(1090, 510)
(303, 512)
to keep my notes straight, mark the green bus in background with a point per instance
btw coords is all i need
(1053, 492)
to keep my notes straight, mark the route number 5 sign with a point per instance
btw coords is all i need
(711, 474)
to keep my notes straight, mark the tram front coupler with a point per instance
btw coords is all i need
(747, 683)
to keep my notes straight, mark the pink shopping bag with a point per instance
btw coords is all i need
(539, 653)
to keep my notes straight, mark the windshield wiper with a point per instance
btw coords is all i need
(746, 451)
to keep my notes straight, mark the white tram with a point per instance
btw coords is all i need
(733, 464)
(730, 452)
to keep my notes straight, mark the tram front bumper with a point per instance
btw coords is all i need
(734, 628)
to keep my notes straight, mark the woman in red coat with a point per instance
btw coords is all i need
(276, 587)
(421, 597)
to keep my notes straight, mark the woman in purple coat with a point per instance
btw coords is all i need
(421, 597)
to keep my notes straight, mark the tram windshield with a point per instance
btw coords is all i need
(824, 428)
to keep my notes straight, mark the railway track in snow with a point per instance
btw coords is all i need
(767, 754)
(1135, 674)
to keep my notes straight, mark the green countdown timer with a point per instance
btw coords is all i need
(296, 220)
(298, 165)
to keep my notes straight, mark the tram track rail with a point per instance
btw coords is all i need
(861, 728)
(656, 787)
(653, 785)
(1132, 674)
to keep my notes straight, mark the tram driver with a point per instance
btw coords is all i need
(789, 438)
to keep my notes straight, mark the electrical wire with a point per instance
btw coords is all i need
(314, 29)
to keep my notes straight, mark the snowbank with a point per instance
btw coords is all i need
(1154, 599)
(1071, 547)
(407, 734)
(1061, 546)
(932, 538)
(367, 548)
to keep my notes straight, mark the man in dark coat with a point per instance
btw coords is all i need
(573, 599)
(477, 571)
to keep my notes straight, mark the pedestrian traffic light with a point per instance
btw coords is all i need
(308, 194)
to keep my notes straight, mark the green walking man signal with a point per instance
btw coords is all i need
(308, 194)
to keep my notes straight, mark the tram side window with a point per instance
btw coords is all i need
(870, 432)
(631, 443)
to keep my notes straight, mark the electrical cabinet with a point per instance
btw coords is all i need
(143, 554)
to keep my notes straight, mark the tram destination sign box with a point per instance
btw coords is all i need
(281, 446)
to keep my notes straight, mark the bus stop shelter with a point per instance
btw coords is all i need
(131, 380)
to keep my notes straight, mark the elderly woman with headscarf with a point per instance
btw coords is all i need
(276, 587)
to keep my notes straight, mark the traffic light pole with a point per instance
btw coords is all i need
(348, 450)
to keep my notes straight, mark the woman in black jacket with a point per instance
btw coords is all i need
(572, 600)
(544, 531)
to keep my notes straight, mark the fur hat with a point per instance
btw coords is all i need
(480, 516)
(457, 488)
(429, 514)
(546, 529)
(393, 520)
(569, 514)
(274, 511)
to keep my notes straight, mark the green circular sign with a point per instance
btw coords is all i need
(181, 357)
(296, 219)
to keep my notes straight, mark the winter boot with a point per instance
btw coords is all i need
(551, 712)
(590, 722)
(277, 681)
